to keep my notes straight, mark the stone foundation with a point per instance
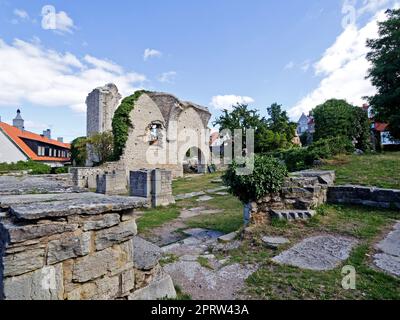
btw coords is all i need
(366, 196)
(75, 246)
(300, 194)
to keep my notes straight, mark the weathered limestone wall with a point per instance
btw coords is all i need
(101, 104)
(366, 196)
(113, 183)
(73, 246)
(301, 193)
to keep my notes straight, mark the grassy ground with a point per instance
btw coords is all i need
(273, 281)
(228, 220)
(380, 170)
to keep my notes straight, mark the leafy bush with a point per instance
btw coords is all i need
(327, 148)
(31, 166)
(122, 122)
(267, 177)
(298, 159)
(60, 170)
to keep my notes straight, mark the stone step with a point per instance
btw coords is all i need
(292, 214)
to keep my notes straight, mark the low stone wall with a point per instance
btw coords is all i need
(112, 183)
(366, 196)
(74, 246)
(301, 192)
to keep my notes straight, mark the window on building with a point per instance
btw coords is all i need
(155, 133)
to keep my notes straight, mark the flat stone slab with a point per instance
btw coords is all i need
(391, 244)
(222, 193)
(389, 258)
(275, 242)
(63, 206)
(203, 234)
(11, 185)
(319, 253)
(189, 195)
(206, 284)
(204, 198)
(228, 237)
(195, 212)
(223, 188)
(145, 254)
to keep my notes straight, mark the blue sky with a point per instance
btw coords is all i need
(294, 52)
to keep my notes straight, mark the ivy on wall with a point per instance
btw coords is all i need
(122, 122)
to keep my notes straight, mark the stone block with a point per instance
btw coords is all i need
(140, 184)
(43, 284)
(34, 231)
(108, 237)
(68, 247)
(101, 222)
(127, 281)
(23, 262)
(98, 264)
(145, 254)
(160, 287)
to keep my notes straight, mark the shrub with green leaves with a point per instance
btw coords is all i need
(298, 159)
(31, 166)
(122, 123)
(267, 177)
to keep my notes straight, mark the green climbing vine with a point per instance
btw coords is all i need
(122, 122)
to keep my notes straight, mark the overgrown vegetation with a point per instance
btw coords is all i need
(267, 176)
(31, 166)
(122, 123)
(100, 145)
(270, 133)
(337, 118)
(384, 74)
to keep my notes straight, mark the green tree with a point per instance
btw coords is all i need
(102, 146)
(337, 118)
(385, 72)
(241, 117)
(78, 151)
(279, 122)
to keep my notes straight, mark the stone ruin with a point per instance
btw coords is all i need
(304, 191)
(301, 193)
(163, 129)
(74, 245)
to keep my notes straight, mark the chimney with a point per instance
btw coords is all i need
(18, 122)
(60, 139)
(47, 134)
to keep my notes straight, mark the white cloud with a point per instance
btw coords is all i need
(305, 66)
(167, 77)
(33, 74)
(151, 53)
(22, 14)
(226, 102)
(289, 65)
(373, 6)
(59, 22)
(343, 67)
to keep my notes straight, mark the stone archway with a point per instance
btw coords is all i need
(194, 161)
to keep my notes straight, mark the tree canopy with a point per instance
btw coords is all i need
(270, 134)
(385, 72)
(337, 118)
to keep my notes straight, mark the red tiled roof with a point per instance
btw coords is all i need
(381, 127)
(17, 137)
(214, 136)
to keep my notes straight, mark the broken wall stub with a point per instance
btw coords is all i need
(73, 247)
(154, 185)
(113, 183)
(366, 196)
(301, 193)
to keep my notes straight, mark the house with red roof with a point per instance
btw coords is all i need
(17, 144)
